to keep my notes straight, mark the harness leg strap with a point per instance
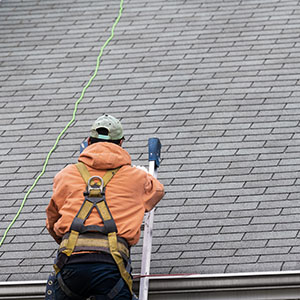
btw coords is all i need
(116, 289)
(112, 240)
(66, 290)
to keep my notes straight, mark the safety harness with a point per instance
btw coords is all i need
(93, 237)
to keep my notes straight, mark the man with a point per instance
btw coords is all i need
(95, 241)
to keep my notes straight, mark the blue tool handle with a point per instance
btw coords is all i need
(154, 147)
(83, 145)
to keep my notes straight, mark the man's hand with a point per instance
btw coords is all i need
(142, 168)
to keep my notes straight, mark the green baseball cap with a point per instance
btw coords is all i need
(113, 125)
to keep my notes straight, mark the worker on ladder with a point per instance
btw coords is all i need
(95, 215)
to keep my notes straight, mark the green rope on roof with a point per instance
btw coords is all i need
(67, 126)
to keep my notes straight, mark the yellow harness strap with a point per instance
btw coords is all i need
(72, 240)
(113, 247)
(86, 175)
(92, 241)
(83, 171)
(112, 236)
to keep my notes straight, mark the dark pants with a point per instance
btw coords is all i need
(89, 279)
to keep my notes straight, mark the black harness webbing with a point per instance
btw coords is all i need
(93, 237)
(66, 290)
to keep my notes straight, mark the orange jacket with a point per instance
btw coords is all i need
(129, 194)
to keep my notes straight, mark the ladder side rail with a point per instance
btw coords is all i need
(154, 147)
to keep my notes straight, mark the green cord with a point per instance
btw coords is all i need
(67, 126)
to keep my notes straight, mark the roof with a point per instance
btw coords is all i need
(218, 83)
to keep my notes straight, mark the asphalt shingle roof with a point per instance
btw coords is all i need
(217, 81)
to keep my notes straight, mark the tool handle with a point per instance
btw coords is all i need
(154, 147)
(83, 145)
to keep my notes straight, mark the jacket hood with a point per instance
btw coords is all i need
(103, 156)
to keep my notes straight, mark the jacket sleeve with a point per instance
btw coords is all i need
(154, 192)
(52, 213)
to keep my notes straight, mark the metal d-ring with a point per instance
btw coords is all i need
(95, 186)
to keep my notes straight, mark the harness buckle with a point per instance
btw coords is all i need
(95, 183)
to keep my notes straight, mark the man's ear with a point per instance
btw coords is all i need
(121, 142)
(89, 141)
